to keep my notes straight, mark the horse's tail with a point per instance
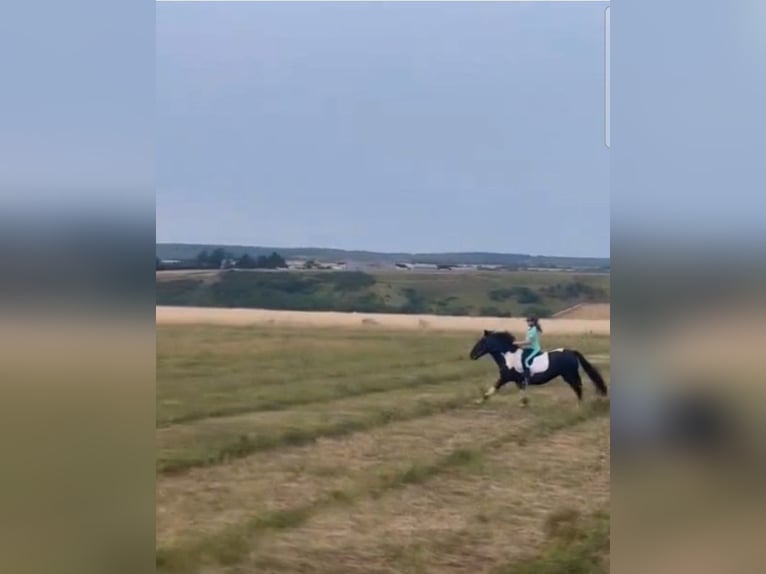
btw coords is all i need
(593, 373)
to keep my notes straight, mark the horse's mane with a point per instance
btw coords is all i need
(505, 337)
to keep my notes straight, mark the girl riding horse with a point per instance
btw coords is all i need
(507, 354)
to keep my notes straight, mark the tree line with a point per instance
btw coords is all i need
(221, 259)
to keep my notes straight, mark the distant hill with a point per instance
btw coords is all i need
(189, 251)
(480, 293)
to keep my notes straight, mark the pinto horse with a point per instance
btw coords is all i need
(564, 363)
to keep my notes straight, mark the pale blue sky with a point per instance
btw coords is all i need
(395, 127)
(688, 128)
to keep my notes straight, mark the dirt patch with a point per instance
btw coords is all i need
(243, 317)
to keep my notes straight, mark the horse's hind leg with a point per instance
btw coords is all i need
(574, 381)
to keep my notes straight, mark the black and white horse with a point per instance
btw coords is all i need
(564, 363)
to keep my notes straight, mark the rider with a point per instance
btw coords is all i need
(531, 346)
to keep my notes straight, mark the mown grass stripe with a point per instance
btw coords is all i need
(335, 393)
(233, 544)
(245, 445)
(275, 373)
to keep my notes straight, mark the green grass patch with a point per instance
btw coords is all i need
(216, 371)
(574, 545)
(246, 410)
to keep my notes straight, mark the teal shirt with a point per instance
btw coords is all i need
(534, 339)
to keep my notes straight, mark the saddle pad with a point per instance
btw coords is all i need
(539, 364)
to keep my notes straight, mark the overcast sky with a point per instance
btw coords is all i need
(393, 127)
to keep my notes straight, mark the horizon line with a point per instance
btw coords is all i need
(382, 252)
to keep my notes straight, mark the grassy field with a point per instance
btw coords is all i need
(328, 450)
(486, 293)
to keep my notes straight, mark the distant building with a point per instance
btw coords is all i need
(297, 264)
(312, 264)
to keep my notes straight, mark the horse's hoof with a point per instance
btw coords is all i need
(524, 402)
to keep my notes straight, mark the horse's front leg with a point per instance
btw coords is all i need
(491, 390)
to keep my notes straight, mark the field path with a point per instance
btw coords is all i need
(242, 317)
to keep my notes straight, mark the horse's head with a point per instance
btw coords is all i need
(493, 342)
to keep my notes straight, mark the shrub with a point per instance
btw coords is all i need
(537, 311)
(523, 295)
(502, 294)
(181, 292)
(416, 303)
(350, 280)
(575, 290)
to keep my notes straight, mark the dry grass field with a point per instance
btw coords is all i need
(289, 448)
(244, 317)
(590, 311)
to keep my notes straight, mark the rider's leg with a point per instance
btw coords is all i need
(526, 377)
(524, 358)
(527, 362)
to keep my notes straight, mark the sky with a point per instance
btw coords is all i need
(78, 108)
(388, 127)
(688, 126)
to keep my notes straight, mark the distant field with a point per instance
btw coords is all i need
(601, 311)
(328, 450)
(450, 293)
(371, 321)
